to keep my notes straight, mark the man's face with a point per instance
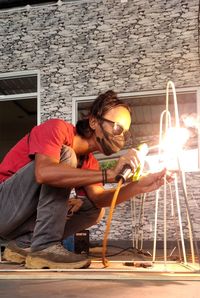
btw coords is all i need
(111, 130)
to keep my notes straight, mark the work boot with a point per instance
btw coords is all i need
(56, 257)
(14, 253)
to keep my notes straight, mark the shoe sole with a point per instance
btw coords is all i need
(39, 263)
(14, 257)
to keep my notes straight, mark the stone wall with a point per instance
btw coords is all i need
(85, 47)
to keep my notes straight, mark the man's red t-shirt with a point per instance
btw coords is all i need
(46, 138)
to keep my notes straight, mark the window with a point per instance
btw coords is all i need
(19, 106)
(147, 108)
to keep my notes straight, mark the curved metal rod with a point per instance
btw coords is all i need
(180, 219)
(168, 116)
(175, 222)
(177, 124)
(133, 216)
(137, 225)
(155, 226)
(141, 220)
(190, 224)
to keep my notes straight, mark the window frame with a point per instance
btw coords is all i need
(21, 74)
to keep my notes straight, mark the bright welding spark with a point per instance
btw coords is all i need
(175, 139)
(171, 146)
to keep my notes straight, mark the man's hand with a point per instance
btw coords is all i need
(132, 158)
(153, 181)
(74, 204)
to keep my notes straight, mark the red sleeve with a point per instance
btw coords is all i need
(49, 137)
(90, 164)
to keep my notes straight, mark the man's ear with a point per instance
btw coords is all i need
(93, 122)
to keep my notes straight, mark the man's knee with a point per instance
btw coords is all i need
(83, 207)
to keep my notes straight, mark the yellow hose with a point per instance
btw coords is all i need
(105, 239)
(144, 149)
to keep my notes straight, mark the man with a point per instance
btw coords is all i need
(39, 172)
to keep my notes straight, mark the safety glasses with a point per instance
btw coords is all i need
(117, 129)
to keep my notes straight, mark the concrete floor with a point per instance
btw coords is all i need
(110, 282)
(89, 283)
(98, 288)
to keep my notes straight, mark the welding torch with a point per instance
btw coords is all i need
(127, 170)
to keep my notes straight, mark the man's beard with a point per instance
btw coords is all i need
(110, 143)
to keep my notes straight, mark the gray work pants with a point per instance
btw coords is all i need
(35, 214)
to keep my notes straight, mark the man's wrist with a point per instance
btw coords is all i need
(104, 176)
(110, 176)
(137, 189)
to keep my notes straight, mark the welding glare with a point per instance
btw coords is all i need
(174, 140)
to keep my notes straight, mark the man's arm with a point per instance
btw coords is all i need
(147, 183)
(49, 171)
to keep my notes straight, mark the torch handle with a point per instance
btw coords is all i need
(126, 171)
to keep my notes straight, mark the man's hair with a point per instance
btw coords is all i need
(102, 104)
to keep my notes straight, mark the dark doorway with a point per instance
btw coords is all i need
(17, 117)
(18, 107)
